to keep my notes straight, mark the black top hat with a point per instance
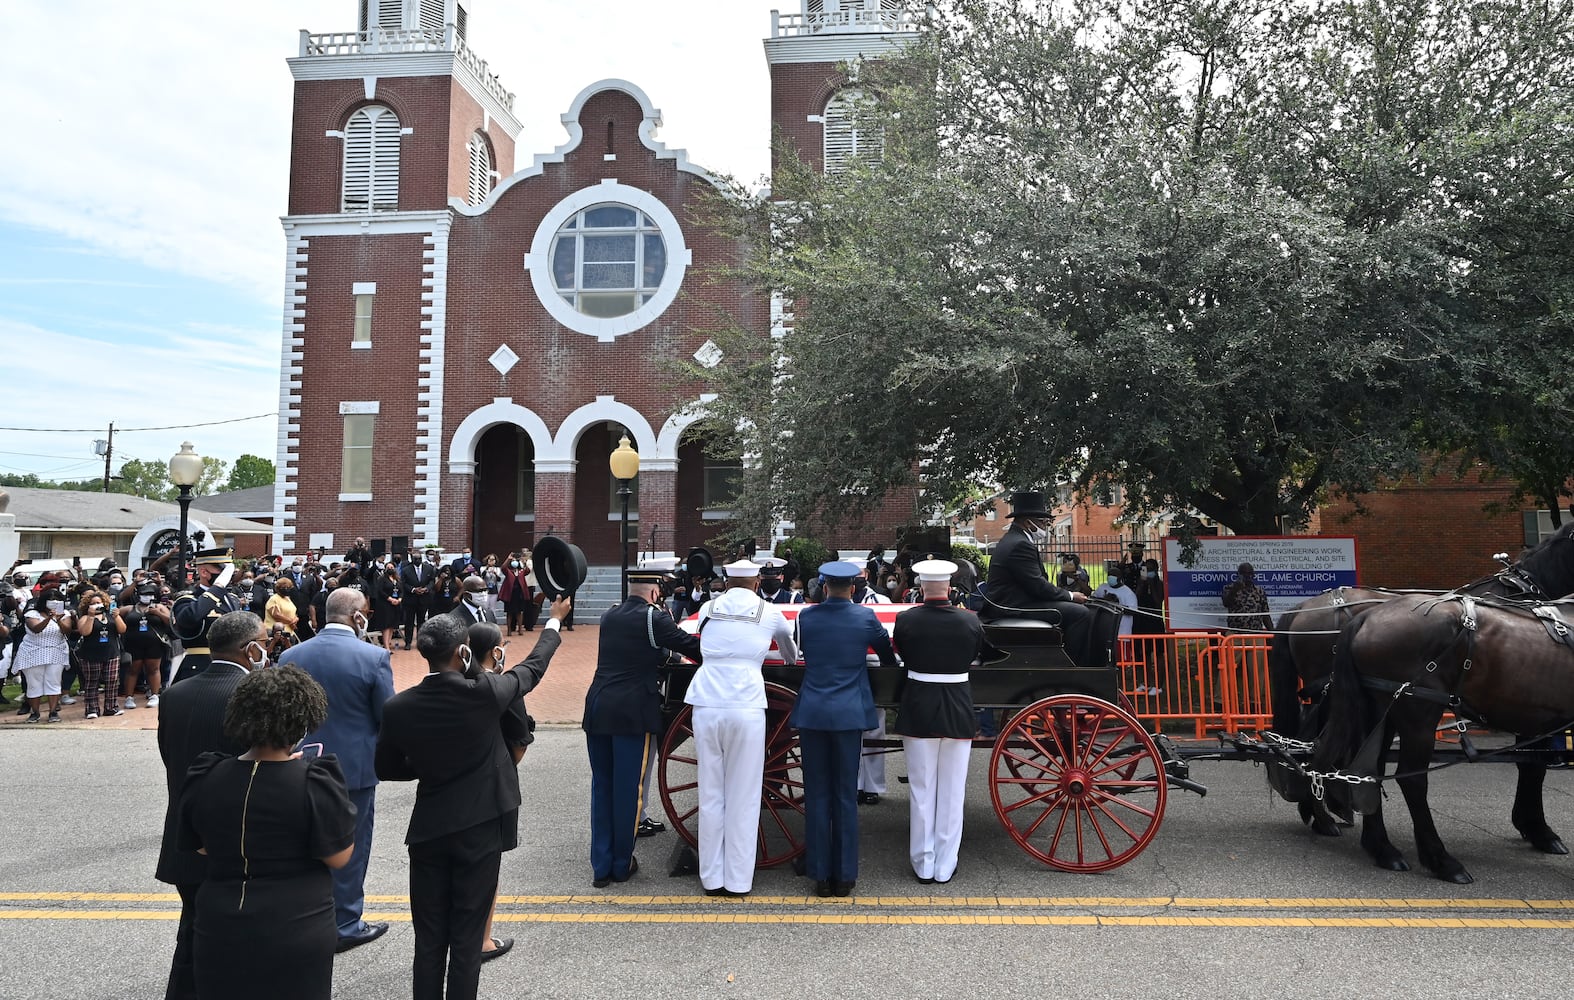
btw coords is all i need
(560, 567)
(700, 564)
(1029, 503)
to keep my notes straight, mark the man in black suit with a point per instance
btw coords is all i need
(446, 734)
(191, 723)
(415, 579)
(471, 608)
(622, 710)
(1019, 587)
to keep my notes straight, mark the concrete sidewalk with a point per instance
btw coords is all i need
(560, 699)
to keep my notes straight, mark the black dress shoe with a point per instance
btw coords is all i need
(822, 889)
(649, 828)
(371, 933)
(922, 880)
(500, 947)
(842, 888)
(868, 799)
(633, 867)
(602, 883)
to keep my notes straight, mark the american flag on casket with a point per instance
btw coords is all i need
(885, 612)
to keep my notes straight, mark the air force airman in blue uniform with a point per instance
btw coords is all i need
(835, 706)
(622, 712)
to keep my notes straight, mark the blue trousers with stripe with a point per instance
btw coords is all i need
(617, 767)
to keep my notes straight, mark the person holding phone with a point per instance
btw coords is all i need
(273, 826)
(100, 623)
(45, 651)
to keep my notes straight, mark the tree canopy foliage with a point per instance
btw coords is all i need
(1226, 256)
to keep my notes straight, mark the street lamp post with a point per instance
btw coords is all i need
(185, 469)
(625, 466)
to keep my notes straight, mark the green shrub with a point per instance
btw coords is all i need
(973, 554)
(807, 552)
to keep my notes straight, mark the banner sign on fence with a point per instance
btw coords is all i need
(1288, 569)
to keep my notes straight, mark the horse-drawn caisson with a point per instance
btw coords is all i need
(1081, 784)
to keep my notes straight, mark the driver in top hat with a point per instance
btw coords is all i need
(1019, 587)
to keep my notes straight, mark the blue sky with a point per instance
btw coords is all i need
(141, 259)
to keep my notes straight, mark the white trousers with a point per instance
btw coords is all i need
(871, 764)
(730, 748)
(936, 785)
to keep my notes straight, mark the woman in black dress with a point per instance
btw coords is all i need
(271, 824)
(386, 602)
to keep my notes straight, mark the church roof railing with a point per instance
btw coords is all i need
(398, 41)
(889, 18)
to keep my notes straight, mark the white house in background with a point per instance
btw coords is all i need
(61, 524)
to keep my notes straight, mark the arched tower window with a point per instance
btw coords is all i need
(844, 139)
(371, 161)
(480, 155)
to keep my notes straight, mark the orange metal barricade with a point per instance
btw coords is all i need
(1198, 681)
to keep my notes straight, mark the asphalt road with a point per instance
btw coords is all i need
(1234, 898)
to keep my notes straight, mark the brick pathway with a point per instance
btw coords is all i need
(559, 699)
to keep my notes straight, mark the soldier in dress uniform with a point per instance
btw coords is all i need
(939, 644)
(198, 608)
(622, 711)
(728, 694)
(772, 585)
(1019, 587)
(835, 705)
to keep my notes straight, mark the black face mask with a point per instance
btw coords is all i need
(769, 586)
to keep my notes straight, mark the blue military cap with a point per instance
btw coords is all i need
(840, 572)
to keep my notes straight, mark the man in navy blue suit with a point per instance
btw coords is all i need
(357, 678)
(835, 705)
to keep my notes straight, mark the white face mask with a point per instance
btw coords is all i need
(261, 660)
(466, 657)
(144, 598)
(360, 625)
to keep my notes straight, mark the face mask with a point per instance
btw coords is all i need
(769, 586)
(1149, 574)
(144, 598)
(466, 555)
(465, 657)
(260, 662)
(95, 608)
(497, 658)
(360, 624)
(1114, 582)
(515, 564)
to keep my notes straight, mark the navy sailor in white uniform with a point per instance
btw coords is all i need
(728, 695)
(939, 644)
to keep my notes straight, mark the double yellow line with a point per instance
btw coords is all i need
(1370, 912)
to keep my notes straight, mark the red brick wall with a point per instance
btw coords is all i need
(317, 160)
(799, 90)
(465, 119)
(332, 373)
(1433, 535)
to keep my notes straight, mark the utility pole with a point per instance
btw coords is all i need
(107, 447)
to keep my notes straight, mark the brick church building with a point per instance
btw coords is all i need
(466, 341)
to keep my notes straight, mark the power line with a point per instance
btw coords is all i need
(133, 430)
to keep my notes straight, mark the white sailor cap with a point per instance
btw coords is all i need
(934, 570)
(664, 565)
(742, 568)
(770, 563)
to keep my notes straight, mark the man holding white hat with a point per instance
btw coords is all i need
(939, 644)
(728, 694)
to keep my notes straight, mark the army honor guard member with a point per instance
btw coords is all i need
(939, 644)
(835, 706)
(622, 712)
(728, 695)
(197, 609)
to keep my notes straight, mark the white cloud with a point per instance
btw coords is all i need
(159, 132)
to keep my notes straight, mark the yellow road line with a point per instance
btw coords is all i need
(955, 902)
(907, 919)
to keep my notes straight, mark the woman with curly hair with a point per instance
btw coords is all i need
(100, 623)
(272, 824)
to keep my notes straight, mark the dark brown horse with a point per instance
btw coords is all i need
(1300, 660)
(1493, 663)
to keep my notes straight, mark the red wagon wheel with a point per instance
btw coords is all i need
(1078, 783)
(781, 792)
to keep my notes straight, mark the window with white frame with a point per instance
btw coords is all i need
(371, 160)
(356, 467)
(365, 295)
(38, 544)
(122, 549)
(481, 172)
(846, 137)
(608, 260)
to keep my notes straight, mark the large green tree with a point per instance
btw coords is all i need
(250, 471)
(1224, 255)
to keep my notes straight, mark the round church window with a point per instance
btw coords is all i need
(608, 260)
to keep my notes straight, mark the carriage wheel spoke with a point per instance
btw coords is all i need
(674, 759)
(1060, 828)
(1013, 779)
(1060, 746)
(688, 814)
(1099, 803)
(1077, 805)
(1099, 831)
(1121, 800)
(1045, 768)
(780, 823)
(684, 787)
(1038, 797)
(1049, 808)
(1112, 768)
